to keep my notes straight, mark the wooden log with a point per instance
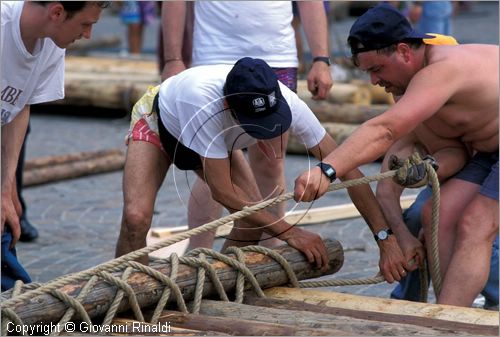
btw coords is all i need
(338, 131)
(388, 306)
(128, 327)
(40, 162)
(118, 94)
(328, 112)
(45, 308)
(99, 65)
(340, 93)
(301, 318)
(73, 169)
(458, 327)
(378, 93)
(298, 217)
(236, 326)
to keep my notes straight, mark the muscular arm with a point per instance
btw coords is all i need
(314, 21)
(392, 260)
(13, 135)
(173, 21)
(374, 137)
(233, 188)
(388, 195)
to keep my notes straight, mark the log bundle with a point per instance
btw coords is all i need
(46, 308)
(296, 317)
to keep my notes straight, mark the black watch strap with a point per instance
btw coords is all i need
(325, 59)
(382, 234)
(328, 171)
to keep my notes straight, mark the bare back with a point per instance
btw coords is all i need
(471, 113)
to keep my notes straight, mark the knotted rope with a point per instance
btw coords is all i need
(104, 270)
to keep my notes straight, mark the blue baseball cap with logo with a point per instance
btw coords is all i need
(380, 27)
(252, 91)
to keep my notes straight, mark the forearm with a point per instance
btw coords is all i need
(13, 135)
(314, 21)
(388, 195)
(173, 19)
(367, 143)
(364, 199)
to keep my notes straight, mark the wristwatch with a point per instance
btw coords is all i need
(382, 234)
(328, 171)
(325, 59)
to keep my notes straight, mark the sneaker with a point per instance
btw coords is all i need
(28, 231)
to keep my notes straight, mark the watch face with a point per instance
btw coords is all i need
(382, 235)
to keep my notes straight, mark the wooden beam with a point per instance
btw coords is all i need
(73, 169)
(388, 306)
(236, 326)
(299, 217)
(429, 322)
(338, 325)
(130, 327)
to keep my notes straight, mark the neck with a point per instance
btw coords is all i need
(32, 24)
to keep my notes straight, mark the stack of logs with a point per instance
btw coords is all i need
(118, 83)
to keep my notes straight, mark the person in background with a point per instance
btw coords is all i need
(32, 39)
(136, 15)
(432, 16)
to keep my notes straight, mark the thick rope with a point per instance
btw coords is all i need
(104, 270)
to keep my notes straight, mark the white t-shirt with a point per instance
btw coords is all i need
(192, 110)
(225, 31)
(26, 78)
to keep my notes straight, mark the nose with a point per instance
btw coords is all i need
(87, 33)
(374, 78)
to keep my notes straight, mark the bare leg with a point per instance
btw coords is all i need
(145, 169)
(470, 264)
(455, 195)
(134, 37)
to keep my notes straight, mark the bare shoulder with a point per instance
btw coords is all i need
(470, 53)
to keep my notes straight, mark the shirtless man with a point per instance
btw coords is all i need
(453, 92)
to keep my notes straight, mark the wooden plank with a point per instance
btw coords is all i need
(339, 325)
(45, 308)
(459, 327)
(386, 305)
(236, 326)
(130, 327)
(299, 217)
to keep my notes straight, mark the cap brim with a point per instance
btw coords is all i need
(270, 126)
(417, 35)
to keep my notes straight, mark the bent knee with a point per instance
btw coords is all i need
(472, 226)
(136, 221)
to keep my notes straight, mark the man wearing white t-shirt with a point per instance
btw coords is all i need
(225, 31)
(33, 35)
(200, 120)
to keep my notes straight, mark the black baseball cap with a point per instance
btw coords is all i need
(380, 27)
(252, 91)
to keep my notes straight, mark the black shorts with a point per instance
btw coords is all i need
(184, 158)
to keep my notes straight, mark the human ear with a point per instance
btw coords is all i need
(56, 12)
(404, 51)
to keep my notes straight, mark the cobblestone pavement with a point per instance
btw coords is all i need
(79, 219)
